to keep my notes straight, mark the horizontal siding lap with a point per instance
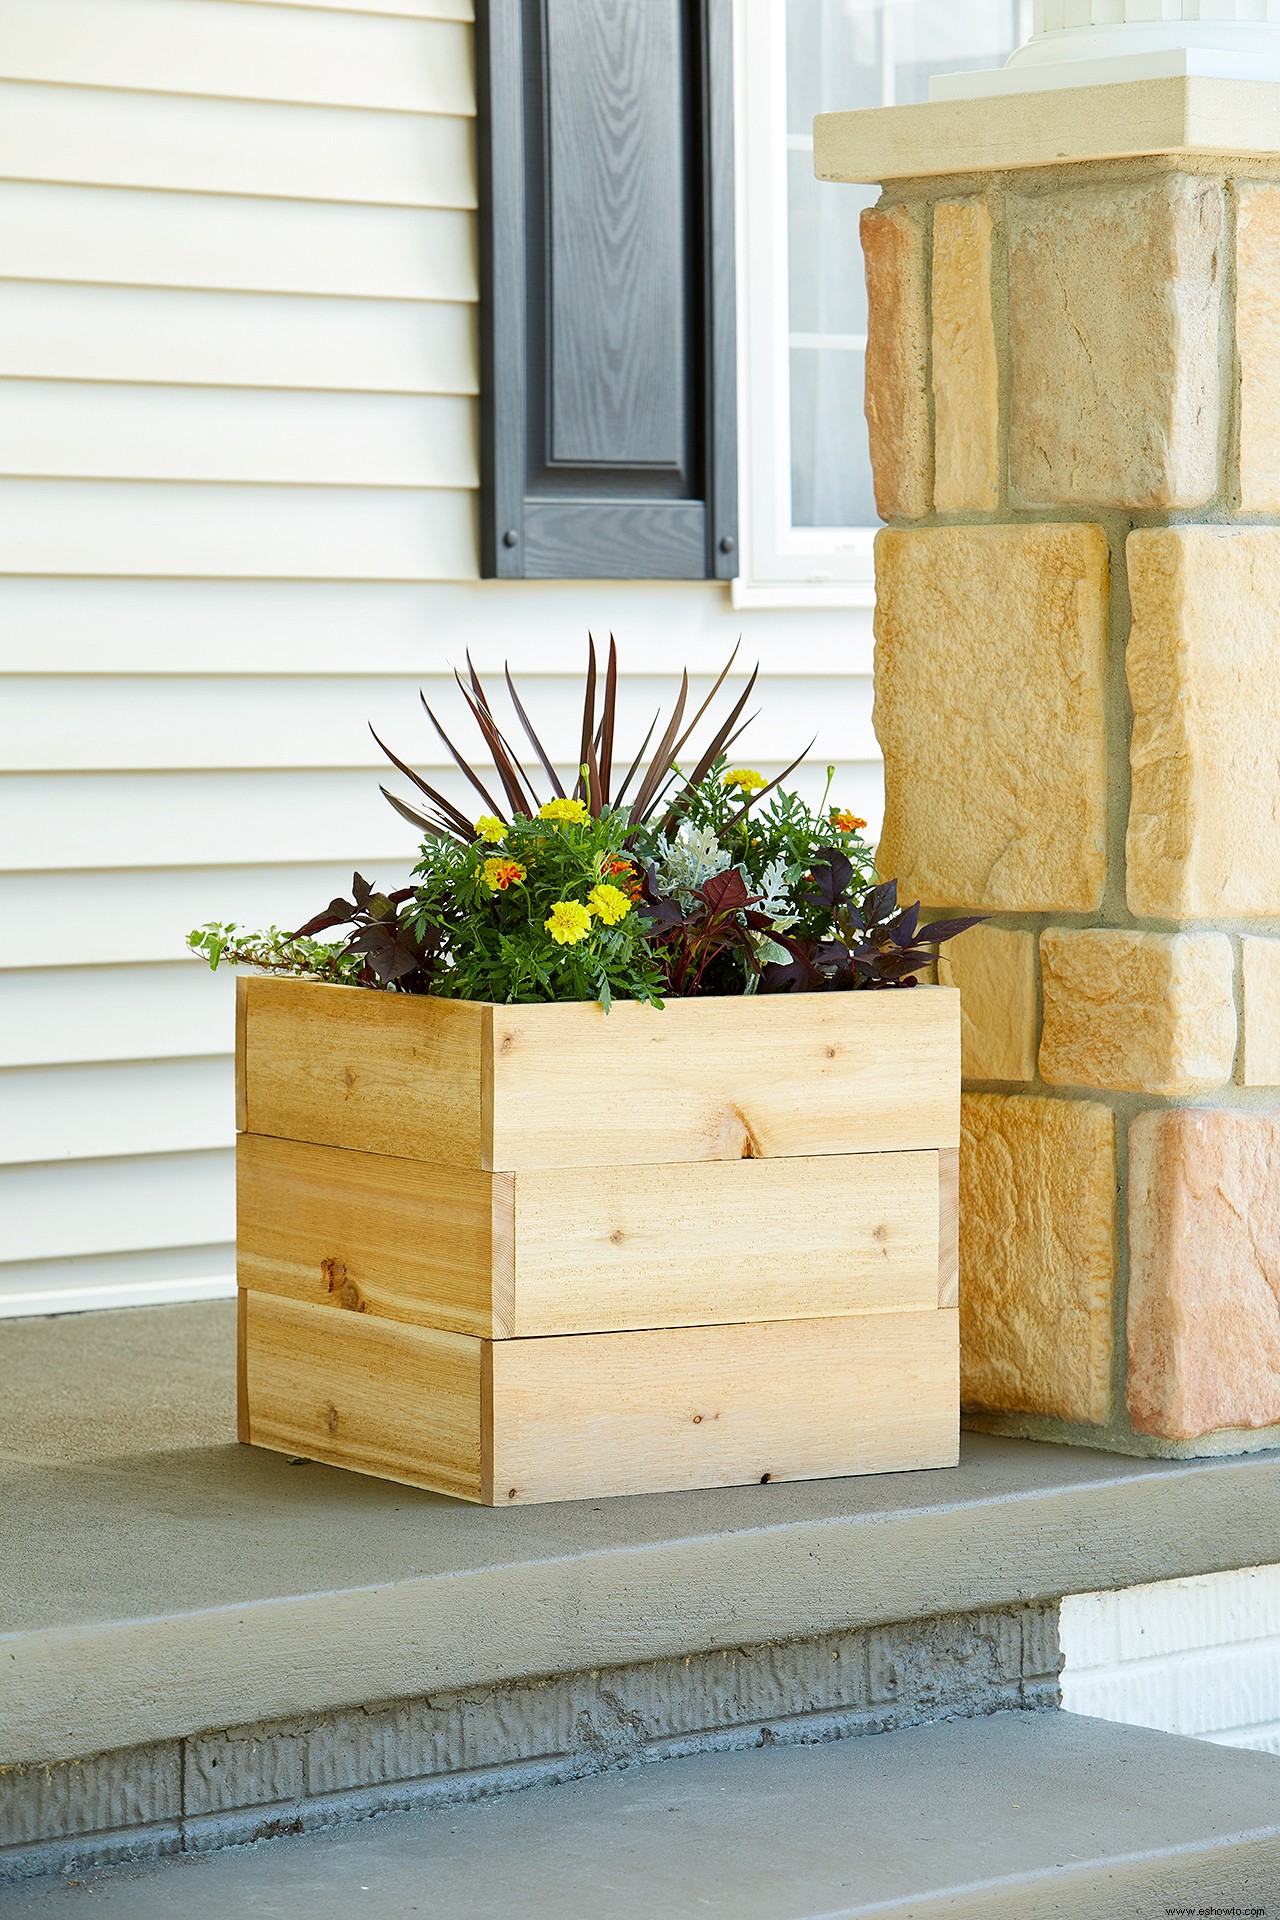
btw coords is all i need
(105, 1110)
(272, 532)
(121, 236)
(76, 1014)
(86, 430)
(250, 340)
(320, 56)
(89, 136)
(238, 627)
(137, 916)
(52, 821)
(106, 723)
(68, 821)
(74, 1208)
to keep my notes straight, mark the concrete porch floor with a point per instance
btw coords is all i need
(143, 1541)
(161, 1585)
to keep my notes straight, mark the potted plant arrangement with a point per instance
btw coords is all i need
(599, 1160)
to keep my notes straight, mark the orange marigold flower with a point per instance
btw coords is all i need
(846, 821)
(499, 874)
(624, 875)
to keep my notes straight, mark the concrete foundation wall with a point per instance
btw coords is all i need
(226, 1787)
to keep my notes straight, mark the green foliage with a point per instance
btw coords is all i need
(776, 830)
(501, 906)
(711, 881)
(715, 938)
(274, 952)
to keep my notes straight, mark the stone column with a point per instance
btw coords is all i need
(1073, 390)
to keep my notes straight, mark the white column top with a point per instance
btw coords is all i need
(1090, 43)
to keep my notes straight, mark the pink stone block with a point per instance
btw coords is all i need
(1204, 1284)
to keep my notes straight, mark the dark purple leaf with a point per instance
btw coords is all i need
(939, 930)
(533, 739)
(727, 892)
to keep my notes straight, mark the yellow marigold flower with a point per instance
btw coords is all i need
(745, 777)
(608, 903)
(567, 923)
(846, 821)
(498, 874)
(490, 829)
(561, 810)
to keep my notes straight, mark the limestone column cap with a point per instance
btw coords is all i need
(1180, 115)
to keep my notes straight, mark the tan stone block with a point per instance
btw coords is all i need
(1154, 1012)
(1114, 294)
(1260, 1013)
(897, 402)
(995, 970)
(1037, 1256)
(1258, 344)
(990, 660)
(1204, 1282)
(965, 407)
(1203, 663)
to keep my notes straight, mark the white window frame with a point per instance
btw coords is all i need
(781, 565)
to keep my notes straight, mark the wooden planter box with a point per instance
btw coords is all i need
(545, 1253)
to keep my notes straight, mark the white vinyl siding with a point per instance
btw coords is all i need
(1199, 1657)
(237, 520)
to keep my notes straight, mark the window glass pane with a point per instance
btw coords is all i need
(828, 290)
(834, 53)
(830, 471)
(937, 36)
(852, 53)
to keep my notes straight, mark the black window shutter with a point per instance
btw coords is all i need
(608, 395)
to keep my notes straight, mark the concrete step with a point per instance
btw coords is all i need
(1043, 1816)
(201, 1643)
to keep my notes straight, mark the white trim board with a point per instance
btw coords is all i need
(45, 1301)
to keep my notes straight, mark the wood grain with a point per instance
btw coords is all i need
(242, 1366)
(617, 1413)
(382, 1072)
(366, 1233)
(569, 1250)
(399, 1402)
(242, 1002)
(949, 1227)
(586, 1415)
(719, 1241)
(725, 1079)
